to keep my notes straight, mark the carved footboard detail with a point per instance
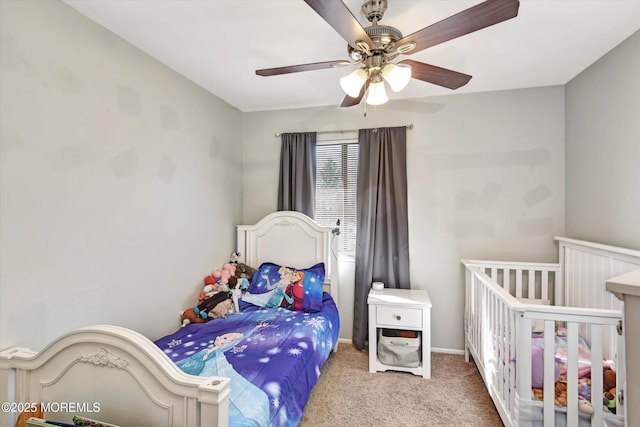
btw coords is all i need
(115, 375)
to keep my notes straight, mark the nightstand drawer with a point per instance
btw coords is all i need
(395, 316)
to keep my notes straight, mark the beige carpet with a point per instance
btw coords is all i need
(347, 394)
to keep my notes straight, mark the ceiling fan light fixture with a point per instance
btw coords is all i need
(397, 76)
(376, 93)
(352, 83)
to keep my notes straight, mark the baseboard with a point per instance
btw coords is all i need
(447, 350)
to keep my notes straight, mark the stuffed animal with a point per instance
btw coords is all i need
(189, 316)
(243, 270)
(206, 309)
(222, 309)
(609, 384)
(243, 275)
(584, 388)
(231, 268)
(609, 399)
(225, 273)
(560, 393)
(209, 288)
(584, 406)
(608, 379)
(215, 307)
(222, 275)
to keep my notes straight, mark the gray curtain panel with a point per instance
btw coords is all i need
(297, 186)
(382, 242)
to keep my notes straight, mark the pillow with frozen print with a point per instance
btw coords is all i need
(274, 285)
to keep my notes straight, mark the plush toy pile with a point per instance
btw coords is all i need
(584, 392)
(215, 300)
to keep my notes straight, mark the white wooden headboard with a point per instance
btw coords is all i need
(291, 239)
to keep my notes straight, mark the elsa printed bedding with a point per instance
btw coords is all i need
(272, 349)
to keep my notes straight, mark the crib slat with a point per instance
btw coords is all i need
(545, 284)
(524, 358)
(572, 374)
(506, 279)
(531, 282)
(518, 283)
(491, 338)
(512, 370)
(549, 373)
(500, 334)
(496, 346)
(504, 360)
(596, 373)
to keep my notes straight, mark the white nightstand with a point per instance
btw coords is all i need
(406, 309)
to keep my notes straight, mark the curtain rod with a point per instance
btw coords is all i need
(409, 126)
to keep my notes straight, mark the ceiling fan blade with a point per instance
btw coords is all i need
(473, 19)
(436, 75)
(342, 20)
(350, 102)
(302, 67)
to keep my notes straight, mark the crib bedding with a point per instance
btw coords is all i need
(560, 350)
(272, 355)
(560, 368)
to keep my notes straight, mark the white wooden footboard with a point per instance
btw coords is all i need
(112, 374)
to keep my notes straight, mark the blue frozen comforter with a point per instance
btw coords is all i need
(272, 355)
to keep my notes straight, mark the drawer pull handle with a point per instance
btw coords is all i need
(398, 317)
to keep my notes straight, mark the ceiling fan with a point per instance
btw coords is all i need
(375, 46)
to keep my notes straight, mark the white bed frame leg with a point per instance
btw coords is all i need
(8, 394)
(214, 410)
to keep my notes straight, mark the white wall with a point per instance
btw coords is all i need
(120, 180)
(118, 189)
(485, 175)
(603, 149)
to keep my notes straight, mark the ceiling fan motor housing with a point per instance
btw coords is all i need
(374, 9)
(383, 35)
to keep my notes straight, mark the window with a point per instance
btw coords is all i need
(336, 178)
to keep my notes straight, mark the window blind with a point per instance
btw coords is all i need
(336, 179)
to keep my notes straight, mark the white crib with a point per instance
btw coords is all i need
(498, 327)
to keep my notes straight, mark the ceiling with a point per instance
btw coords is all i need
(218, 44)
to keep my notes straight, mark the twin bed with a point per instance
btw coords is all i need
(254, 368)
(547, 338)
